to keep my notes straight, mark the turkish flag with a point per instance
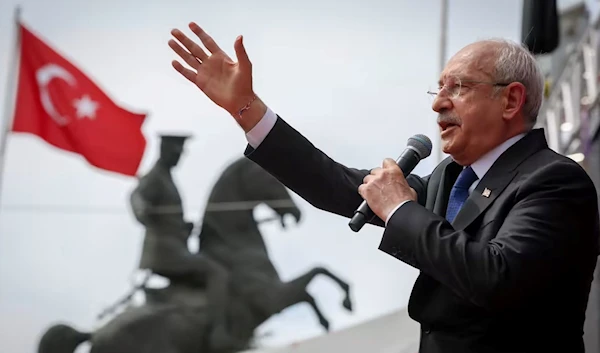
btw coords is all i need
(60, 104)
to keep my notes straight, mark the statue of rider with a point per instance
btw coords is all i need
(157, 205)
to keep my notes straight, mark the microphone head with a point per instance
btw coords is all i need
(421, 144)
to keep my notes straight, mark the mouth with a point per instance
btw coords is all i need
(446, 125)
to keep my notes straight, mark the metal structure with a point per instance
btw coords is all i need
(570, 115)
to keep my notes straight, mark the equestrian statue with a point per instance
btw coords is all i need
(217, 297)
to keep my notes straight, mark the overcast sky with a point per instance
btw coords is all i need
(351, 76)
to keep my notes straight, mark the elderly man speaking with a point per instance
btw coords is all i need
(504, 231)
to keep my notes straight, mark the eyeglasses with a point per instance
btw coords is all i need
(454, 85)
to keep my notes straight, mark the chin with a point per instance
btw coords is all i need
(451, 151)
(447, 147)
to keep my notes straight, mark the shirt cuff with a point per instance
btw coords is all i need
(394, 211)
(261, 129)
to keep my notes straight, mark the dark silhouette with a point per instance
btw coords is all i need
(230, 285)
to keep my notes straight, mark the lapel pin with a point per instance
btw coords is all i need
(486, 192)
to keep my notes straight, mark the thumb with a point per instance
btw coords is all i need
(388, 162)
(240, 53)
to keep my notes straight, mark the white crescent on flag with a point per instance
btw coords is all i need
(44, 75)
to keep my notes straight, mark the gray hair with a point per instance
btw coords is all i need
(514, 63)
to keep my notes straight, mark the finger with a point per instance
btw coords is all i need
(361, 190)
(191, 46)
(376, 171)
(207, 40)
(389, 163)
(414, 193)
(241, 54)
(184, 54)
(400, 172)
(368, 178)
(187, 73)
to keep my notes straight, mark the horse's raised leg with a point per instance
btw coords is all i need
(294, 292)
(347, 303)
(311, 301)
(305, 279)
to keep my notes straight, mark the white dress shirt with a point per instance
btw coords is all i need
(480, 167)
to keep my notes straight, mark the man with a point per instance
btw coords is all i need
(156, 203)
(504, 232)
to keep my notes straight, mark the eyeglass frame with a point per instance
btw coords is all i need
(460, 82)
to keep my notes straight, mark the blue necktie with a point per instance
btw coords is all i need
(460, 192)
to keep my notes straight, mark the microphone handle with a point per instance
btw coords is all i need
(407, 161)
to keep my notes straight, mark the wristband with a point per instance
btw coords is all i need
(246, 107)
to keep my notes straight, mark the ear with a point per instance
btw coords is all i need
(514, 98)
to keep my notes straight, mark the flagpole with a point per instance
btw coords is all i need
(9, 100)
(442, 61)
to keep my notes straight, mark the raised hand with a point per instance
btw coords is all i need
(225, 82)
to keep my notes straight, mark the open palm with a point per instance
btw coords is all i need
(225, 82)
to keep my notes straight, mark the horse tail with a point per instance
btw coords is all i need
(62, 339)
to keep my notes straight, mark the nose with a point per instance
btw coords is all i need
(441, 103)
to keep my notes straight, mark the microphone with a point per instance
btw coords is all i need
(418, 147)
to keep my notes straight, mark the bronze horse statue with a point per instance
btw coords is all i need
(175, 319)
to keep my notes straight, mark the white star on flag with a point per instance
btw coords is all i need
(86, 107)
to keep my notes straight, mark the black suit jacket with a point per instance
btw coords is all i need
(512, 273)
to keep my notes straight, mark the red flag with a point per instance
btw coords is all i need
(60, 104)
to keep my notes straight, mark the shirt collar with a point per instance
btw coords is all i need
(483, 164)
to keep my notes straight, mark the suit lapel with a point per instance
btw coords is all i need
(502, 172)
(448, 172)
(490, 187)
